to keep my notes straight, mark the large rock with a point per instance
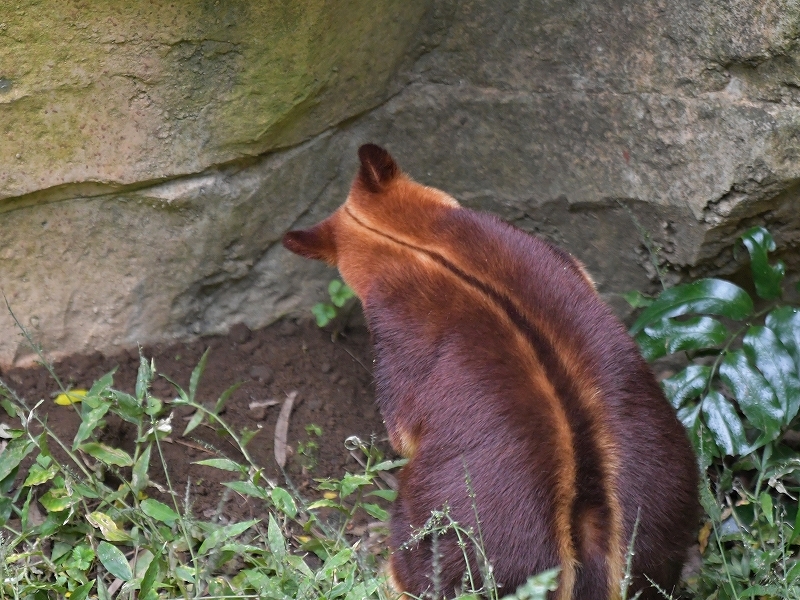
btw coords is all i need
(132, 92)
(599, 124)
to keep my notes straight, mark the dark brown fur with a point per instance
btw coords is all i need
(495, 357)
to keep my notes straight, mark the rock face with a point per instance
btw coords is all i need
(153, 157)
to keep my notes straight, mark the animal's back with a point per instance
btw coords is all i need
(515, 393)
(500, 364)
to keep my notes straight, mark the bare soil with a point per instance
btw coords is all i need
(334, 392)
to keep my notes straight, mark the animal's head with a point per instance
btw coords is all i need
(384, 211)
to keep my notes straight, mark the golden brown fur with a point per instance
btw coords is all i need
(495, 357)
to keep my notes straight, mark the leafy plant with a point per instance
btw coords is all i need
(339, 293)
(739, 397)
(308, 449)
(78, 520)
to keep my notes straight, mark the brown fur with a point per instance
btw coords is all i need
(495, 357)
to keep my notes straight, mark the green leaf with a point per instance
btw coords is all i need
(350, 483)
(223, 464)
(89, 423)
(284, 502)
(196, 374)
(324, 503)
(537, 586)
(336, 561)
(139, 474)
(143, 378)
(16, 450)
(107, 454)
(81, 592)
(724, 424)
(38, 475)
(767, 278)
(223, 398)
(388, 465)
(389, 495)
(339, 292)
(128, 407)
(58, 499)
(159, 511)
(765, 500)
(764, 349)
(686, 385)
(324, 313)
(196, 419)
(107, 527)
(753, 393)
(637, 299)
(713, 296)
(375, 511)
(114, 561)
(101, 385)
(785, 322)
(150, 576)
(224, 533)
(277, 544)
(247, 488)
(702, 441)
(671, 336)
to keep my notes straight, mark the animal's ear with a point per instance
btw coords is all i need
(377, 167)
(317, 242)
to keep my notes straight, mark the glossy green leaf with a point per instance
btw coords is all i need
(764, 349)
(724, 424)
(686, 384)
(752, 391)
(114, 561)
(713, 296)
(701, 438)
(671, 336)
(767, 278)
(785, 322)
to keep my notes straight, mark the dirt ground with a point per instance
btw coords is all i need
(334, 392)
